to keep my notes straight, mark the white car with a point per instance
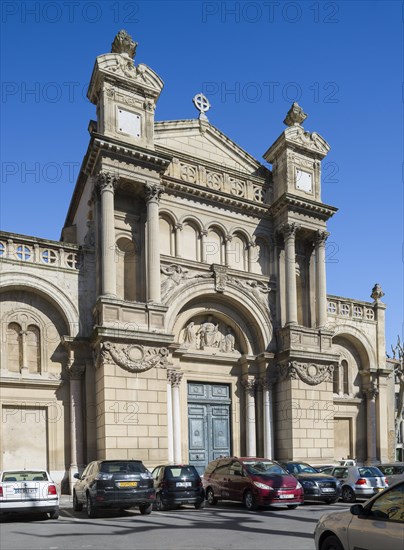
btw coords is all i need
(28, 491)
(377, 524)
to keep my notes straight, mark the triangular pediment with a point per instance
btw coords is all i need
(203, 141)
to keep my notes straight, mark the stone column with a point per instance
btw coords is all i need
(371, 427)
(204, 234)
(227, 241)
(106, 183)
(75, 372)
(251, 445)
(170, 433)
(176, 377)
(267, 412)
(289, 233)
(153, 193)
(252, 251)
(178, 240)
(321, 290)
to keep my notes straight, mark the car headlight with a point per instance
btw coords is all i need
(298, 486)
(262, 485)
(308, 483)
(146, 475)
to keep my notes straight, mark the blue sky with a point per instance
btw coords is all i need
(342, 61)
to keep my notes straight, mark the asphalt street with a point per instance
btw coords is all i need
(221, 527)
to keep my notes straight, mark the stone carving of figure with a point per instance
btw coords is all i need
(228, 341)
(208, 333)
(175, 275)
(259, 291)
(189, 335)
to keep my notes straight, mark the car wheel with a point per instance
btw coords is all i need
(145, 509)
(292, 506)
(54, 514)
(331, 543)
(200, 504)
(210, 496)
(77, 506)
(347, 495)
(91, 512)
(249, 501)
(159, 503)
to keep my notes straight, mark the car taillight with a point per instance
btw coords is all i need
(52, 490)
(361, 481)
(1, 491)
(385, 481)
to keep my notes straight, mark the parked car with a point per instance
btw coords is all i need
(358, 481)
(317, 486)
(379, 523)
(393, 471)
(114, 484)
(178, 484)
(28, 491)
(253, 481)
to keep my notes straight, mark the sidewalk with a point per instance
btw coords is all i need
(65, 501)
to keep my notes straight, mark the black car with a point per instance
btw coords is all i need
(114, 484)
(178, 484)
(317, 485)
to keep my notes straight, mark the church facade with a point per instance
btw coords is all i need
(184, 313)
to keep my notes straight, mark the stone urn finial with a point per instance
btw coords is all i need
(295, 116)
(377, 292)
(124, 44)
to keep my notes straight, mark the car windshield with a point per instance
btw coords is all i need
(370, 472)
(24, 475)
(263, 467)
(120, 466)
(181, 471)
(300, 468)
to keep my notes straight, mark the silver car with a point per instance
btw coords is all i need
(358, 481)
(377, 524)
(393, 471)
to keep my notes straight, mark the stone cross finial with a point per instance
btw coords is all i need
(124, 44)
(295, 116)
(377, 292)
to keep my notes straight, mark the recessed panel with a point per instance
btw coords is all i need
(129, 123)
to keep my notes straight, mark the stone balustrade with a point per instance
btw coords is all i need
(350, 309)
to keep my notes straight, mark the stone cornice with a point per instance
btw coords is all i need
(289, 202)
(31, 382)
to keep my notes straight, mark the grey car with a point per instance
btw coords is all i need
(393, 471)
(358, 481)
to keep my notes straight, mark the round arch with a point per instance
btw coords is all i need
(47, 290)
(360, 342)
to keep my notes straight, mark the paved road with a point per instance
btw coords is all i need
(227, 526)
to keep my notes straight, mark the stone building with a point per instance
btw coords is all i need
(184, 314)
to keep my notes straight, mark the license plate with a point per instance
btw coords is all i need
(183, 484)
(328, 490)
(127, 484)
(286, 496)
(23, 491)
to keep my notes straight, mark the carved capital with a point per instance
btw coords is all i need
(310, 373)
(371, 391)
(174, 377)
(204, 232)
(289, 230)
(228, 238)
(269, 380)
(107, 181)
(321, 237)
(249, 384)
(153, 192)
(178, 226)
(133, 357)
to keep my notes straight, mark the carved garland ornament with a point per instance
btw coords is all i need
(133, 357)
(309, 373)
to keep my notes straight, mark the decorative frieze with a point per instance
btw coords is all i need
(133, 357)
(310, 373)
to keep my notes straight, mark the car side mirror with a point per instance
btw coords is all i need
(76, 476)
(357, 510)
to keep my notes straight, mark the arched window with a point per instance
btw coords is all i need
(237, 253)
(345, 380)
(335, 380)
(166, 237)
(126, 269)
(190, 242)
(33, 349)
(14, 347)
(213, 248)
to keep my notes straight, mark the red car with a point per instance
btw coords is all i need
(253, 481)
